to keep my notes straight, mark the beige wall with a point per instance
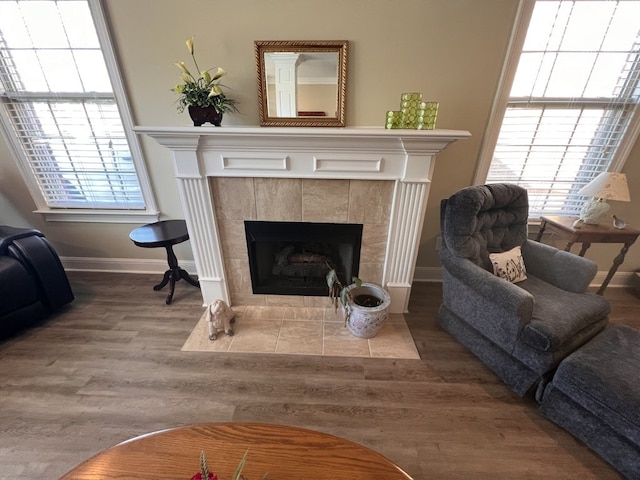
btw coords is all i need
(318, 98)
(310, 98)
(450, 50)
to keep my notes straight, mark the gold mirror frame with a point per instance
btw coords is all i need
(310, 119)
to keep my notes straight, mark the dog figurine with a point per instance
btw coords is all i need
(220, 317)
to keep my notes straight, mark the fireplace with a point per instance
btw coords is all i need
(293, 258)
(309, 158)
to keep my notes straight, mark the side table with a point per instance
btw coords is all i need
(166, 233)
(588, 234)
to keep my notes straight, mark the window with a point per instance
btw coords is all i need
(568, 111)
(67, 124)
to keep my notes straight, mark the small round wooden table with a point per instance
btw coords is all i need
(285, 453)
(165, 233)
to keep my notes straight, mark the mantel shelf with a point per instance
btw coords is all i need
(438, 134)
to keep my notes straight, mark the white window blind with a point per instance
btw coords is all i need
(62, 112)
(572, 100)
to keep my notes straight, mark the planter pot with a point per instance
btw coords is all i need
(365, 321)
(201, 115)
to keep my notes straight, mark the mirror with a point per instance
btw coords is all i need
(302, 84)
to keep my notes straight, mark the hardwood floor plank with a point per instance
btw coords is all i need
(109, 367)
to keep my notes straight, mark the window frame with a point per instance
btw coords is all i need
(501, 101)
(147, 214)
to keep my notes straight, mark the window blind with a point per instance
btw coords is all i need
(575, 92)
(56, 93)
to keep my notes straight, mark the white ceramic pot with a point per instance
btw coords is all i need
(366, 322)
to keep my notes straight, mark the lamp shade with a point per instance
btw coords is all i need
(609, 186)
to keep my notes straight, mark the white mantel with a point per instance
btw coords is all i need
(363, 153)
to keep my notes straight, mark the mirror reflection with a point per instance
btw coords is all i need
(301, 83)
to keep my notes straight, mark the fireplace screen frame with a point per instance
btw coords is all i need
(345, 241)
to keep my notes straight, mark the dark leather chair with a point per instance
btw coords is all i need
(33, 282)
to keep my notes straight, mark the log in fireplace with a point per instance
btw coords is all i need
(293, 258)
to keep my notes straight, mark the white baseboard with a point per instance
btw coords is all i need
(121, 265)
(434, 274)
(134, 265)
(619, 279)
(427, 274)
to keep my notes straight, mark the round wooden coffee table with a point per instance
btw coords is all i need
(286, 453)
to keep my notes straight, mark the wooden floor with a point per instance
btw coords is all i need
(109, 367)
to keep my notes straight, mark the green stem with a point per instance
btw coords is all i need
(196, 64)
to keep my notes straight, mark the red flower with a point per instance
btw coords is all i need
(198, 476)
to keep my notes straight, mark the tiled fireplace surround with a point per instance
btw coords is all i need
(298, 200)
(373, 176)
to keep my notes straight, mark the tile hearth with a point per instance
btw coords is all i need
(303, 331)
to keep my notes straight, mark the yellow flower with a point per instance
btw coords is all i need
(183, 67)
(219, 72)
(186, 78)
(189, 43)
(215, 90)
(207, 77)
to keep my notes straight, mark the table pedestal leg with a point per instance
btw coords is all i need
(585, 247)
(174, 274)
(543, 226)
(164, 281)
(616, 263)
(185, 276)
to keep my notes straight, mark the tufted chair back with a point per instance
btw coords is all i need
(484, 219)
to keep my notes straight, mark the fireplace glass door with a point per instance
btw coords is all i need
(293, 258)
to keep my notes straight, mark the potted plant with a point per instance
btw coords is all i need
(365, 305)
(202, 95)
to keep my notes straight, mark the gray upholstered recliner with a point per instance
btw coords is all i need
(520, 330)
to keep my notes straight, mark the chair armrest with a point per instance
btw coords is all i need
(10, 234)
(39, 257)
(565, 270)
(507, 295)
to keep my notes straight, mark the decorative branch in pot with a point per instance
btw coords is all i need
(365, 305)
(202, 95)
(338, 292)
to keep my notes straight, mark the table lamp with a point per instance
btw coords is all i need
(606, 186)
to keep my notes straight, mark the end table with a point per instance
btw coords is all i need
(588, 234)
(165, 233)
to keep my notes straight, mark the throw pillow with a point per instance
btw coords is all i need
(509, 265)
